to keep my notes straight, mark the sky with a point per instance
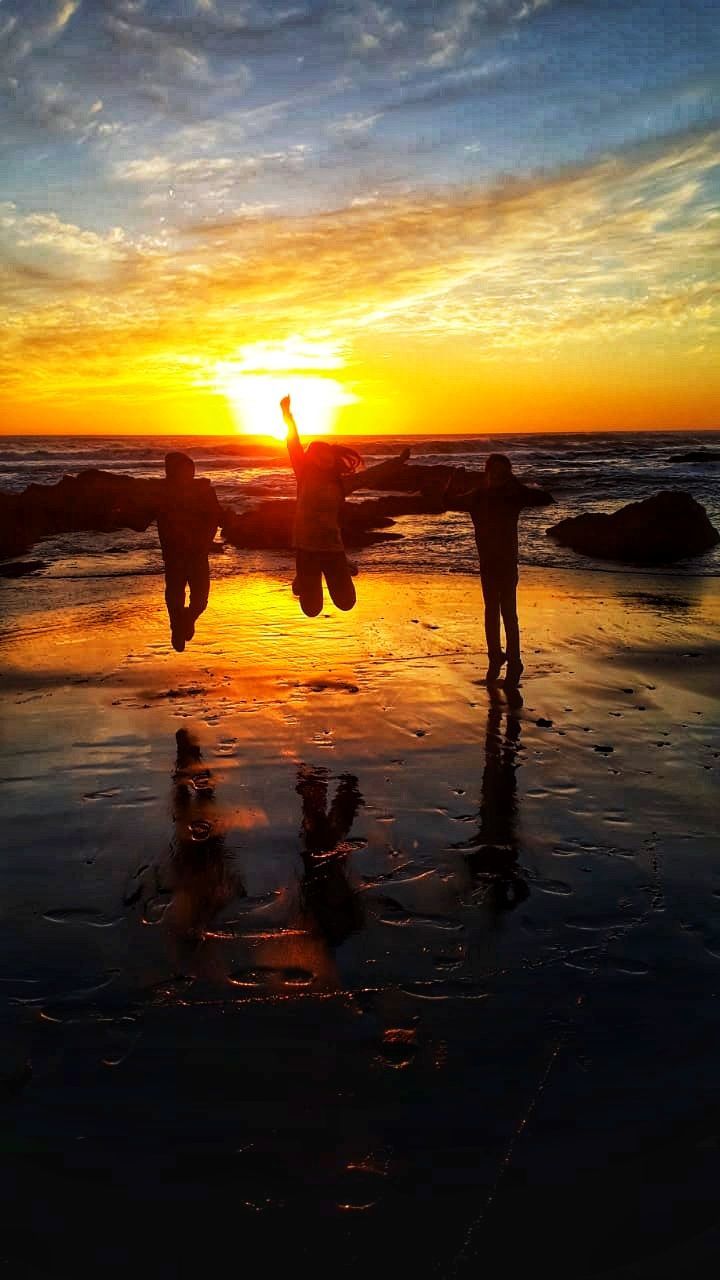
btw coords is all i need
(469, 215)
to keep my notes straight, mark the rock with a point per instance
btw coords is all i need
(105, 501)
(93, 499)
(269, 525)
(21, 568)
(697, 455)
(669, 526)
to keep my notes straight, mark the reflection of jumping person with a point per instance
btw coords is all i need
(189, 887)
(328, 899)
(494, 506)
(200, 874)
(187, 522)
(491, 855)
(325, 474)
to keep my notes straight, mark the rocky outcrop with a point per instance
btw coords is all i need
(104, 501)
(669, 526)
(365, 523)
(697, 455)
(98, 500)
(21, 568)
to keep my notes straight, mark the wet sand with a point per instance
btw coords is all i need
(316, 952)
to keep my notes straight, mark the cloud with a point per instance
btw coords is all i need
(42, 254)
(31, 25)
(354, 126)
(54, 109)
(623, 245)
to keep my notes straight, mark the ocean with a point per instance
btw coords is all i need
(585, 472)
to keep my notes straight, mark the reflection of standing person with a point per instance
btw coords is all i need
(325, 474)
(495, 505)
(187, 521)
(328, 899)
(492, 854)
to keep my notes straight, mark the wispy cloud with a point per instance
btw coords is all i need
(621, 245)
(189, 176)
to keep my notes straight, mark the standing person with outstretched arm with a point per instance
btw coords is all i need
(325, 474)
(495, 505)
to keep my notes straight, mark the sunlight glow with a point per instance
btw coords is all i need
(255, 383)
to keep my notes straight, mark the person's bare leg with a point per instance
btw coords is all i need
(199, 581)
(338, 576)
(308, 582)
(496, 657)
(508, 608)
(311, 599)
(175, 581)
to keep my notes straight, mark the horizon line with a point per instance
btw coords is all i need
(369, 435)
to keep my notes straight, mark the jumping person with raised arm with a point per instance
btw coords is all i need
(325, 474)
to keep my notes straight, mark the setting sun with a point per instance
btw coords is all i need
(255, 383)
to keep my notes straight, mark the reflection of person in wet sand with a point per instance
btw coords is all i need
(325, 474)
(495, 505)
(328, 901)
(202, 881)
(491, 855)
(187, 523)
(194, 884)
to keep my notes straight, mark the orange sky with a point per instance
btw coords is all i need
(393, 280)
(578, 302)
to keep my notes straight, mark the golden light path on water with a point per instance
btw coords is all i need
(264, 372)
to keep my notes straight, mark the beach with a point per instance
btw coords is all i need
(318, 951)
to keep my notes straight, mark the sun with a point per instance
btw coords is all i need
(264, 372)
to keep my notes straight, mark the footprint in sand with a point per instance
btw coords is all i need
(399, 1047)
(86, 916)
(265, 975)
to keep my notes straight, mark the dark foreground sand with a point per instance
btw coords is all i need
(317, 956)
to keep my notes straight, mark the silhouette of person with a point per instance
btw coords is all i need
(494, 506)
(195, 882)
(327, 899)
(187, 521)
(491, 856)
(201, 879)
(325, 474)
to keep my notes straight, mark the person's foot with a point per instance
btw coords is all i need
(494, 666)
(514, 673)
(177, 639)
(189, 625)
(296, 587)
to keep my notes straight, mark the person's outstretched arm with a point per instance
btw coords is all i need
(381, 476)
(294, 444)
(461, 499)
(215, 513)
(529, 495)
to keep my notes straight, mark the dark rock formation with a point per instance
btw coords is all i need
(669, 526)
(21, 568)
(269, 525)
(697, 455)
(105, 501)
(93, 499)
